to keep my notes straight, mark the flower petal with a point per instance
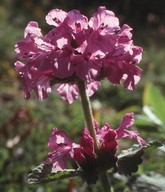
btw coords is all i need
(104, 19)
(76, 21)
(57, 139)
(61, 147)
(59, 157)
(32, 29)
(92, 87)
(68, 92)
(56, 17)
(127, 122)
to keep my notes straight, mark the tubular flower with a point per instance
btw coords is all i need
(83, 153)
(77, 49)
(106, 158)
(61, 149)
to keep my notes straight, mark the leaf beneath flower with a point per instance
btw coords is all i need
(129, 160)
(44, 174)
(152, 145)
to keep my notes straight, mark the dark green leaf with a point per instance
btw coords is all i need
(44, 174)
(128, 163)
(129, 159)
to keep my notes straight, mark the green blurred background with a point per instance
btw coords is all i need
(25, 126)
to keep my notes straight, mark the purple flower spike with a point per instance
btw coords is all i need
(77, 49)
(91, 162)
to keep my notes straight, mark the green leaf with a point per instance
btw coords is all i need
(151, 115)
(44, 174)
(152, 145)
(142, 120)
(129, 159)
(154, 98)
(128, 163)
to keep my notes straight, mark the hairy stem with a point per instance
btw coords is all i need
(89, 123)
(105, 182)
(87, 112)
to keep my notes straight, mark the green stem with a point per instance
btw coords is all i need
(87, 112)
(89, 123)
(105, 182)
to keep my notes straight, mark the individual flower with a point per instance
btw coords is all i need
(122, 131)
(86, 157)
(91, 162)
(77, 49)
(61, 147)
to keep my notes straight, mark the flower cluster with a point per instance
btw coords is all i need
(77, 49)
(62, 148)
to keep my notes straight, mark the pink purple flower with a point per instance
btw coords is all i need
(77, 49)
(62, 148)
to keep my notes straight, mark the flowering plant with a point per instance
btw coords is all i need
(74, 57)
(91, 161)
